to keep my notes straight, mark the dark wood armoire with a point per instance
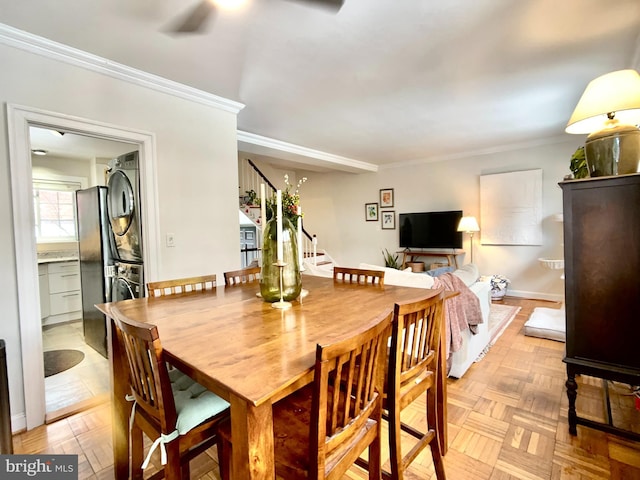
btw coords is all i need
(602, 286)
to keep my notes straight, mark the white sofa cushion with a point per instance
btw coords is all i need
(468, 274)
(401, 278)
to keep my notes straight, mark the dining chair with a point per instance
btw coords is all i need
(180, 416)
(181, 285)
(320, 430)
(246, 275)
(358, 275)
(412, 372)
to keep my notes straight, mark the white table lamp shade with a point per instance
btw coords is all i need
(617, 93)
(468, 224)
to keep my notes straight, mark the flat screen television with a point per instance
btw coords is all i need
(430, 229)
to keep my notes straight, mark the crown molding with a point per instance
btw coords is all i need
(307, 155)
(48, 48)
(539, 142)
(22, 40)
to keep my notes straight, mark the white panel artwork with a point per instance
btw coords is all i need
(511, 208)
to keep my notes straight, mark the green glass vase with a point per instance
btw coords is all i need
(270, 274)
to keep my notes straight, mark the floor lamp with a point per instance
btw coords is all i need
(469, 225)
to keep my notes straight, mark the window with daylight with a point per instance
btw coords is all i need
(55, 211)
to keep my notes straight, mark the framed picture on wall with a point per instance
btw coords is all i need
(371, 212)
(386, 198)
(388, 220)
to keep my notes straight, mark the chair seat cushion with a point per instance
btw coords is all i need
(194, 403)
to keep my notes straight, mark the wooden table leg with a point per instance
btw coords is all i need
(252, 431)
(120, 408)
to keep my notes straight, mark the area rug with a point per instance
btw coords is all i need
(500, 316)
(56, 361)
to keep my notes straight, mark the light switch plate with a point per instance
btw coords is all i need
(171, 240)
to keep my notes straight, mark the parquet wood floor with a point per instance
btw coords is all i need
(507, 420)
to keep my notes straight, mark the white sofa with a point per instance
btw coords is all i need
(472, 345)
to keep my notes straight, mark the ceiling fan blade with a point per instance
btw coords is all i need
(334, 5)
(196, 18)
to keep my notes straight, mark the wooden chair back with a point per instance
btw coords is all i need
(358, 275)
(155, 406)
(148, 374)
(246, 275)
(413, 370)
(345, 420)
(321, 429)
(181, 285)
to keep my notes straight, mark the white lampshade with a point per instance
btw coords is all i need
(468, 224)
(609, 111)
(615, 93)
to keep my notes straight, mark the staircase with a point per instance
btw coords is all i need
(250, 178)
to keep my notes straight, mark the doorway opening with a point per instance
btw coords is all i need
(76, 374)
(20, 120)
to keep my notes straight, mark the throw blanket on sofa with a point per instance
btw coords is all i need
(461, 311)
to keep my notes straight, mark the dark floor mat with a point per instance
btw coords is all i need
(56, 361)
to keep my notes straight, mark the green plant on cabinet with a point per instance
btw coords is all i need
(578, 165)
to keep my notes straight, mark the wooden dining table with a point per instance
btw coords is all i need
(239, 347)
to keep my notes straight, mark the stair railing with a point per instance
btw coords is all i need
(250, 178)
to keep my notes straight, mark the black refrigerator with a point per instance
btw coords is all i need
(97, 260)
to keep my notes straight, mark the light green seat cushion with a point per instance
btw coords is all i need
(194, 403)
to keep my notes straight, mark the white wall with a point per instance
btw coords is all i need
(46, 167)
(334, 210)
(196, 155)
(92, 169)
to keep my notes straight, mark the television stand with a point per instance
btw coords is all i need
(450, 254)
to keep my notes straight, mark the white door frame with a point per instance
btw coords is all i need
(19, 119)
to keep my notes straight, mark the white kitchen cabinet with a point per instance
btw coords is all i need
(43, 284)
(65, 302)
(64, 277)
(64, 291)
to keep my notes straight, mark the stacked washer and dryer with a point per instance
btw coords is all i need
(109, 245)
(123, 206)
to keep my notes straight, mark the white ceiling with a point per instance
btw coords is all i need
(381, 81)
(73, 145)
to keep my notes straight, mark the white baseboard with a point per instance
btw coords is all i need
(18, 423)
(552, 297)
(62, 318)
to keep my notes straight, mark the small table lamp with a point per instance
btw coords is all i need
(609, 111)
(469, 225)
